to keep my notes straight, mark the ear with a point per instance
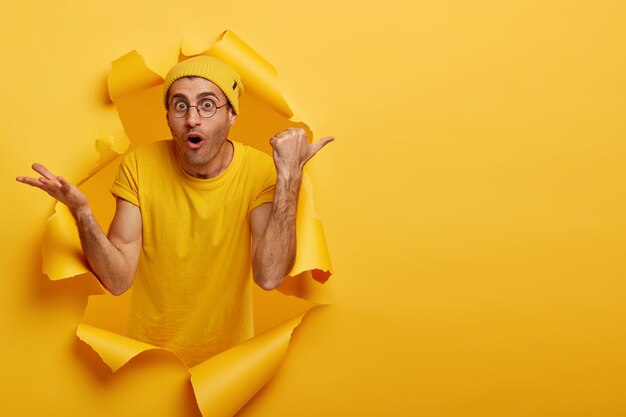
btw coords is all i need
(167, 117)
(232, 116)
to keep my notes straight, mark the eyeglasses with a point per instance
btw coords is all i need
(206, 108)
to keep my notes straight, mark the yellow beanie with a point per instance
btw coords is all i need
(212, 69)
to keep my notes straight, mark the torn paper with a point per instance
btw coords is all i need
(137, 94)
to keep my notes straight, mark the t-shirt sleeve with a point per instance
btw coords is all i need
(125, 184)
(267, 185)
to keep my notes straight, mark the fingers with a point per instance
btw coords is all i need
(292, 148)
(33, 182)
(43, 171)
(48, 182)
(298, 133)
(65, 184)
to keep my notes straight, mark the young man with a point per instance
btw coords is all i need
(194, 215)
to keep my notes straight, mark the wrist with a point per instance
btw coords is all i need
(289, 181)
(81, 212)
(289, 175)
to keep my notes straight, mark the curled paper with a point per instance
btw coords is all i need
(225, 382)
(259, 76)
(62, 253)
(114, 349)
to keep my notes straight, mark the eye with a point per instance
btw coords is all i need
(179, 105)
(206, 104)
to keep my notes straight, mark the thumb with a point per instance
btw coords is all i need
(315, 147)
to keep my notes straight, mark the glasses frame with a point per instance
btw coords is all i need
(197, 109)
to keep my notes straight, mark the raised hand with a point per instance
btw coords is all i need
(274, 227)
(57, 187)
(292, 150)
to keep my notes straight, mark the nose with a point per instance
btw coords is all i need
(192, 118)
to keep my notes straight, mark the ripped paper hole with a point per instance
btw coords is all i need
(227, 381)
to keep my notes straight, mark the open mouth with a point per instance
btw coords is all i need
(194, 142)
(194, 139)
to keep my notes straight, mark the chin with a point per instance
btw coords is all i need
(196, 159)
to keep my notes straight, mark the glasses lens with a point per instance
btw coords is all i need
(207, 108)
(178, 108)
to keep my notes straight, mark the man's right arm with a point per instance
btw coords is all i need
(113, 259)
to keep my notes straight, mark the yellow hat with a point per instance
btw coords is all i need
(212, 69)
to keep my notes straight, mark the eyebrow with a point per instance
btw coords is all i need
(199, 96)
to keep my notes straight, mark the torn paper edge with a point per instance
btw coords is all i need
(267, 83)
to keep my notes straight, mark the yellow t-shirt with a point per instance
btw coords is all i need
(192, 293)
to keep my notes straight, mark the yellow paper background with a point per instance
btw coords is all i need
(473, 202)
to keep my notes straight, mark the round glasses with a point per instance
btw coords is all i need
(206, 108)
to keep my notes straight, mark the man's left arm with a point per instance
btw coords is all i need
(274, 225)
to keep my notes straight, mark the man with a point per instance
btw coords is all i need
(193, 216)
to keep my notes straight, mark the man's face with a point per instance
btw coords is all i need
(200, 142)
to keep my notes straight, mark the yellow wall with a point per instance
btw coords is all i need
(473, 202)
